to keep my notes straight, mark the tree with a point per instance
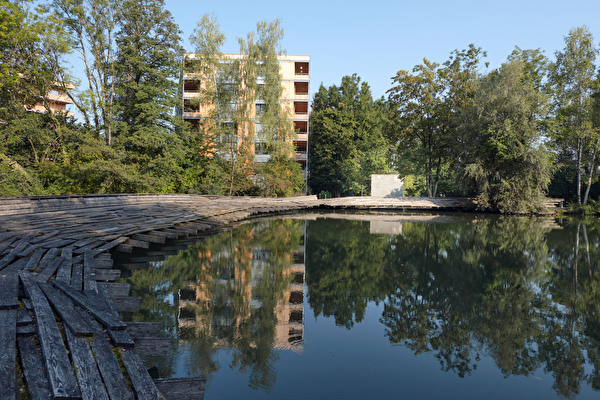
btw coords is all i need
(421, 133)
(92, 25)
(573, 80)
(510, 168)
(347, 143)
(148, 58)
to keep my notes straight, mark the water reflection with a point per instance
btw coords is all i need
(521, 291)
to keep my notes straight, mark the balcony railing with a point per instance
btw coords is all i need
(301, 155)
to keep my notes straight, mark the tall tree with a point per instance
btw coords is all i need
(347, 143)
(148, 59)
(573, 80)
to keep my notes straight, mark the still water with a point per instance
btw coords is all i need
(381, 306)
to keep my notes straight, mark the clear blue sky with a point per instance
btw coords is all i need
(376, 38)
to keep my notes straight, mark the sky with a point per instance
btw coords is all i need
(376, 38)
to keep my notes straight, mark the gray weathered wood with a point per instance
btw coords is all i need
(49, 270)
(7, 298)
(121, 338)
(77, 277)
(94, 304)
(127, 303)
(106, 274)
(149, 238)
(90, 382)
(23, 317)
(140, 379)
(36, 376)
(153, 346)
(34, 259)
(89, 282)
(75, 321)
(63, 274)
(182, 388)
(62, 380)
(117, 289)
(144, 329)
(113, 378)
(8, 337)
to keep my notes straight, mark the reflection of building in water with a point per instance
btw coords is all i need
(221, 302)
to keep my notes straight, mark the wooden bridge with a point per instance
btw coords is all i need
(61, 336)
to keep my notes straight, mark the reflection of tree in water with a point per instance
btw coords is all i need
(512, 287)
(229, 286)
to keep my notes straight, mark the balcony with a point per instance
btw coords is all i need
(303, 136)
(192, 95)
(192, 114)
(300, 109)
(301, 69)
(301, 155)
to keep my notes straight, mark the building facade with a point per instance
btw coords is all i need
(294, 74)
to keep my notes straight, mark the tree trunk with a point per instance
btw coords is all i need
(579, 154)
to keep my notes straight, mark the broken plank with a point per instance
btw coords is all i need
(113, 378)
(87, 371)
(149, 238)
(49, 270)
(23, 317)
(94, 304)
(127, 304)
(32, 362)
(76, 321)
(181, 388)
(47, 259)
(89, 282)
(106, 274)
(60, 373)
(63, 273)
(34, 259)
(137, 243)
(117, 289)
(144, 329)
(153, 346)
(140, 379)
(8, 357)
(124, 248)
(120, 338)
(77, 277)
(7, 298)
(20, 245)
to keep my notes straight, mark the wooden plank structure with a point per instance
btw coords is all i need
(55, 259)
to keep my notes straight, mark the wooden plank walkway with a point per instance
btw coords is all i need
(57, 282)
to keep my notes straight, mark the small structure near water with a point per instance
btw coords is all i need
(387, 185)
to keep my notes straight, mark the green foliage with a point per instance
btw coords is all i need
(347, 143)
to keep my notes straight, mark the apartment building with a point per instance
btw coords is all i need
(294, 71)
(56, 99)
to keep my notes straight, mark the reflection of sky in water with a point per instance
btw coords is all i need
(361, 362)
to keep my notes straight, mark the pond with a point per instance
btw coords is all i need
(381, 306)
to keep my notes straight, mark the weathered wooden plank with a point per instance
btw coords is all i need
(120, 338)
(166, 235)
(137, 243)
(106, 274)
(63, 274)
(117, 289)
(127, 303)
(7, 298)
(89, 282)
(20, 245)
(113, 378)
(124, 248)
(48, 257)
(26, 330)
(77, 277)
(103, 263)
(144, 329)
(62, 380)
(32, 362)
(8, 357)
(140, 379)
(182, 388)
(34, 259)
(153, 346)
(87, 371)
(5, 244)
(94, 304)
(75, 321)
(49, 270)
(23, 317)
(149, 238)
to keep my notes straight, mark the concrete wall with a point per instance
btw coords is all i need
(386, 186)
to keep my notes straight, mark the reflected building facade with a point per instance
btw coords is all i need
(230, 290)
